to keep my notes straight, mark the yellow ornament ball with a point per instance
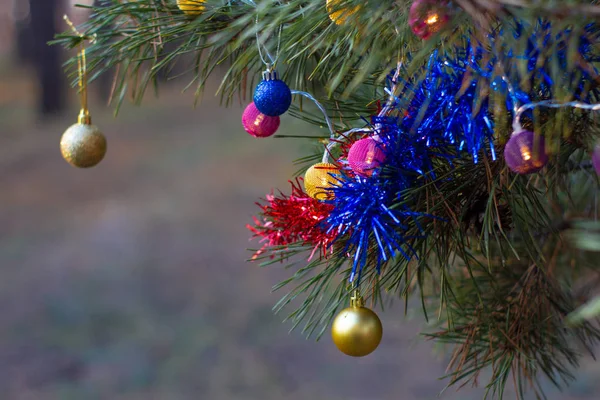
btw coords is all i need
(191, 7)
(318, 181)
(83, 145)
(357, 331)
(339, 15)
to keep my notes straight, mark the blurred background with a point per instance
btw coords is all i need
(129, 281)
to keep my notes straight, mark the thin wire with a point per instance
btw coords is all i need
(511, 91)
(258, 44)
(332, 135)
(550, 104)
(320, 107)
(334, 142)
(391, 92)
(262, 58)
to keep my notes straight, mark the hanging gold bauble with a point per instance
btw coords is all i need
(339, 16)
(191, 7)
(357, 330)
(318, 181)
(83, 145)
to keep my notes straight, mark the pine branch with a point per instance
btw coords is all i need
(517, 329)
(492, 253)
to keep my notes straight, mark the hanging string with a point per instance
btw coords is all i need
(82, 66)
(84, 114)
(272, 60)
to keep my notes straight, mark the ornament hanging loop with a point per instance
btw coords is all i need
(269, 61)
(84, 117)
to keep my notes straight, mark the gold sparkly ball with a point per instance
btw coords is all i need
(357, 331)
(337, 15)
(318, 181)
(191, 7)
(83, 146)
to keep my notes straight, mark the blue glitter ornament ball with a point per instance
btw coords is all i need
(272, 97)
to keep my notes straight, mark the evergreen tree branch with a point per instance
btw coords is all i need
(496, 252)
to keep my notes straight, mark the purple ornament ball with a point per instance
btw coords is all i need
(596, 158)
(525, 152)
(258, 124)
(365, 155)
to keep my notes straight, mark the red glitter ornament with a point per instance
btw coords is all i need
(427, 17)
(258, 124)
(297, 218)
(365, 155)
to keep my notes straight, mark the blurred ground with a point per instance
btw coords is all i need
(128, 281)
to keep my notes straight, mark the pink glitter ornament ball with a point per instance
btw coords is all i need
(258, 124)
(596, 158)
(365, 155)
(525, 152)
(427, 17)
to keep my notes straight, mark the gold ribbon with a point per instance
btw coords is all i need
(84, 114)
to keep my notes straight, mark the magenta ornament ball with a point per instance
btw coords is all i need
(365, 155)
(258, 124)
(525, 152)
(427, 17)
(596, 158)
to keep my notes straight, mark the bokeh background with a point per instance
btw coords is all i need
(129, 281)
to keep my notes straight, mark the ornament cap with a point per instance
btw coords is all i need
(84, 117)
(270, 75)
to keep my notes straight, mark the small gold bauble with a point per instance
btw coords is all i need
(339, 16)
(191, 7)
(357, 331)
(83, 145)
(318, 180)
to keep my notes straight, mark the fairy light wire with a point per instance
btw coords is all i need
(272, 61)
(511, 91)
(321, 108)
(517, 127)
(334, 140)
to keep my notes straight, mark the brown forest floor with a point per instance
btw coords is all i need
(128, 281)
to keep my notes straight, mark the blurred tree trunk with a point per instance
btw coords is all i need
(23, 36)
(46, 59)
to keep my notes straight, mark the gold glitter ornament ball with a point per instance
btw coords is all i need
(318, 181)
(339, 15)
(357, 331)
(191, 7)
(83, 145)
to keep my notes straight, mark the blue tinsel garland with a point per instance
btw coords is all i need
(446, 115)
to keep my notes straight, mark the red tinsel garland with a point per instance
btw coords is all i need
(296, 218)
